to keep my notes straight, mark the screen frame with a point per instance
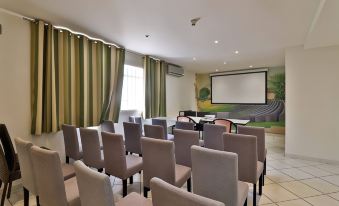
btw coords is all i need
(240, 73)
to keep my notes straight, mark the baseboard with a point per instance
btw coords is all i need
(327, 161)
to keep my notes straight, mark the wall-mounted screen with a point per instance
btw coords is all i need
(239, 88)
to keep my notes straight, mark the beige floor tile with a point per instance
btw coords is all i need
(296, 173)
(315, 171)
(264, 200)
(300, 189)
(268, 181)
(329, 168)
(335, 195)
(278, 164)
(322, 200)
(298, 202)
(295, 162)
(321, 185)
(277, 193)
(332, 179)
(276, 176)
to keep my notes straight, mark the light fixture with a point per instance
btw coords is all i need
(60, 31)
(194, 58)
(216, 41)
(251, 66)
(78, 37)
(225, 62)
(217, 70)
(95, 42)
(237, 52)
(147, 35)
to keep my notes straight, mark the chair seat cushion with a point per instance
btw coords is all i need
(260, 169)
(68, 171)
(72, 192)
(134, 199)
(182, 174)
(134, 165)
(242, 192)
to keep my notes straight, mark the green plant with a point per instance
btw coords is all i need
(278, 85)
(204, 93)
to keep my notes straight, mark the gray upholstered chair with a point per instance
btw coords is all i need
(107, 126)
(215, 176)
(213, 136)
(154, 131)
(52, 189)
(184, 125)
(183, 140)
(26, 165)
(259, 132)
(163, 123)
(138, 120)
(159, 161)
(164, 194)
(250, 169)
(91, 148)
(116, 162)
(95, 189)
(71, 140)
(133, 135)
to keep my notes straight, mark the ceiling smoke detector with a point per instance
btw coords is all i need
(195, 21)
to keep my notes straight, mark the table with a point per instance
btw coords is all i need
(208, 119)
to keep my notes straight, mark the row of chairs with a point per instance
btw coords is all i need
(199, 126)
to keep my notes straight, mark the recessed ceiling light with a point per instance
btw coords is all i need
(194, 58)
(237, 52)
(60, 31)
(251, 66)
(216, 41)
(147, 35)
(225, 62)
(217, 70)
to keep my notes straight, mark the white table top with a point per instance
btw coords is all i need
(208, 119)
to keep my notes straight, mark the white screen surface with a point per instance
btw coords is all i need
(246, 88)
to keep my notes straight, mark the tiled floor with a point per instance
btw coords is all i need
(289, 182)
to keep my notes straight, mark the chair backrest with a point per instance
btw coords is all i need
(215, 174)
(161, 122)
(138, 120)
(94, 187)
(259, 132)
(131, 119)
(213, 136)
(154, 131)
(246, 148)
(4, 172)
(183, 140)
(133, 135)
(48, 176)
(26, 164)
(107, 126)
(164, 194)
(184, 125)
(183, 119)
(158, 160)
(227, 123)
(90, 147)
(114, 154)
(8, 148)
(71, 140)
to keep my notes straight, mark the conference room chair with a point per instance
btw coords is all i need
(135, 119)
(259, 132)
(52, 189)
(28, 179)
(249, 168)
(95, 189)
(163, 123)
(164, 194)
(10, 156)
(215, 176)
(116, 162)
(183, 140)
(72, 144)
(184, 125)
(91, 148)
(227, 123)
(159, 161)
(212, 135)
(7, 176)
(154, 131)
(107, 126)
(133, 135)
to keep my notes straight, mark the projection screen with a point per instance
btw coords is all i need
(239, 88)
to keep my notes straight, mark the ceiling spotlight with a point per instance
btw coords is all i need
(195, 21)
(237, 52)
(225, 62)
(216, 41)
(251, 66)
(78, 37)
(217, 70)
(95, 42)
(194, 58)
(147, 35)
(60, 31)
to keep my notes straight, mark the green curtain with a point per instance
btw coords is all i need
(73, 79)
(155, 87)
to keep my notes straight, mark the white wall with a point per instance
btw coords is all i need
(180, 93)
(312, 103)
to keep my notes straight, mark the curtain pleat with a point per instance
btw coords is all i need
(155, 87)
(74, 80)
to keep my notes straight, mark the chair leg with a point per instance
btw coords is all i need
(126, 153)
(100, 170)
(26, 197)
(67, 159)
(131, 179)
(140, 155)
(146, 192)
(9, 190)
(189, 185)
(124, 188)
(254, 194)
(260, 183)
(37, 201)
(4, 194)
(263, 179)
(265, 167)
(0, 183)
(245, 203)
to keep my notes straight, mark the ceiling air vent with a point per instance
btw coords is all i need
(175, 70)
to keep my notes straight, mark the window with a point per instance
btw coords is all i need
(133, 89)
